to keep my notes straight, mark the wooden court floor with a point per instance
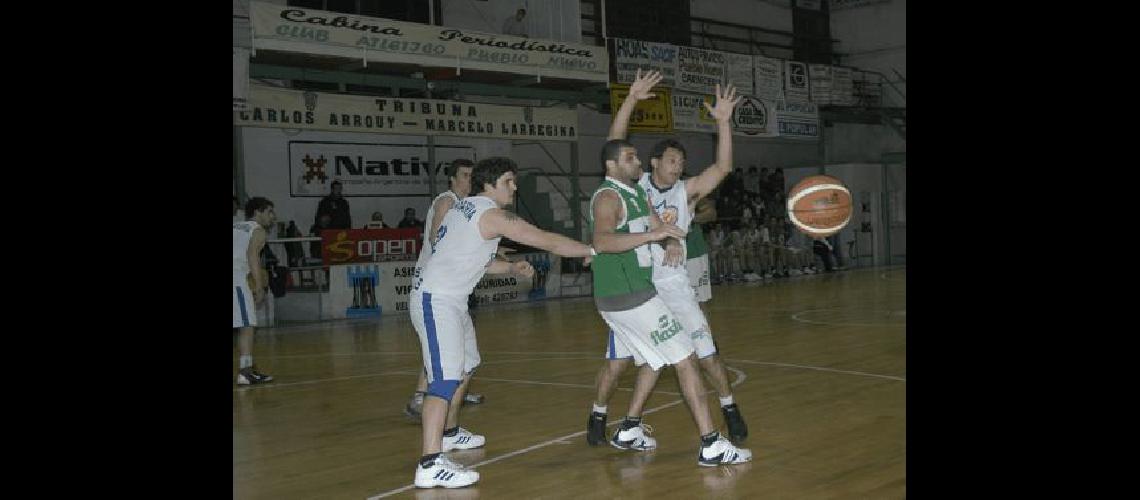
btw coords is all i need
(818, 364)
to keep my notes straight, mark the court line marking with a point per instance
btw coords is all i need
(817, 368)
(405, 353)
(413, 372)
(317, 381)
(741, 378)
(885, 273)
(563, 384)
(796, 317)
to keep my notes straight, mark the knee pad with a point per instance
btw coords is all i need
(443, 389)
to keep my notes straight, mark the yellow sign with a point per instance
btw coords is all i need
(651, 115)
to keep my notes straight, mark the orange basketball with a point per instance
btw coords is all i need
(819, 206)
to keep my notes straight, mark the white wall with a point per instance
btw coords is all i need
(875, 36)
(859, 142)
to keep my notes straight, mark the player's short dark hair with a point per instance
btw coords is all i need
(662, 145)
(453, 168)
(256, 204)
(489, 170)
(612, 149)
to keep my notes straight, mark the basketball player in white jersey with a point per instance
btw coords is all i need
(459, 186)
(249, 239)
(698, 250)
(674, 201)
(464, 250)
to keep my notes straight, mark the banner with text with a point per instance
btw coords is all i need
(319, 32)
(798, 120)
(295, 109)
(752, 117)
(796, 81)
(344, 246)
(383, 287)
(369, 169)
(769, 77)
(842, 86)
(699, 70)
(820, 83)
(690, 115)
(738, 71)
(653, 115)
(630, 55)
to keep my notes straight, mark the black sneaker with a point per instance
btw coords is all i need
(737, 430)
(596, 428)
(250, 376)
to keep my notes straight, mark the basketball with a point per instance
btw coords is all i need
(819, 205)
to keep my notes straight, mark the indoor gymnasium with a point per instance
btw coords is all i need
(569, 249)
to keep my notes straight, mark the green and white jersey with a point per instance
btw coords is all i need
(623, 281)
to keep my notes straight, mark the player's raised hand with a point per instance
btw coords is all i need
(725, 103)
(641, 85)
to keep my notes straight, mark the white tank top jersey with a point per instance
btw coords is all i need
(243, 232)
(460, 256)
(675, 199)
(425, 247)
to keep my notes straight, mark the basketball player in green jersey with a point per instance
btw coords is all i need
(673, 200)
(624, 226)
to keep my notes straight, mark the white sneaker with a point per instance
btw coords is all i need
(634, 439)
(463, 440)
(443, 472)
(722, 452)
(794, 272)
(250, 376)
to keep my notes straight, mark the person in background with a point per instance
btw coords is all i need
(514, 25)
(377, 222)
(336, 206)
(323, 222)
